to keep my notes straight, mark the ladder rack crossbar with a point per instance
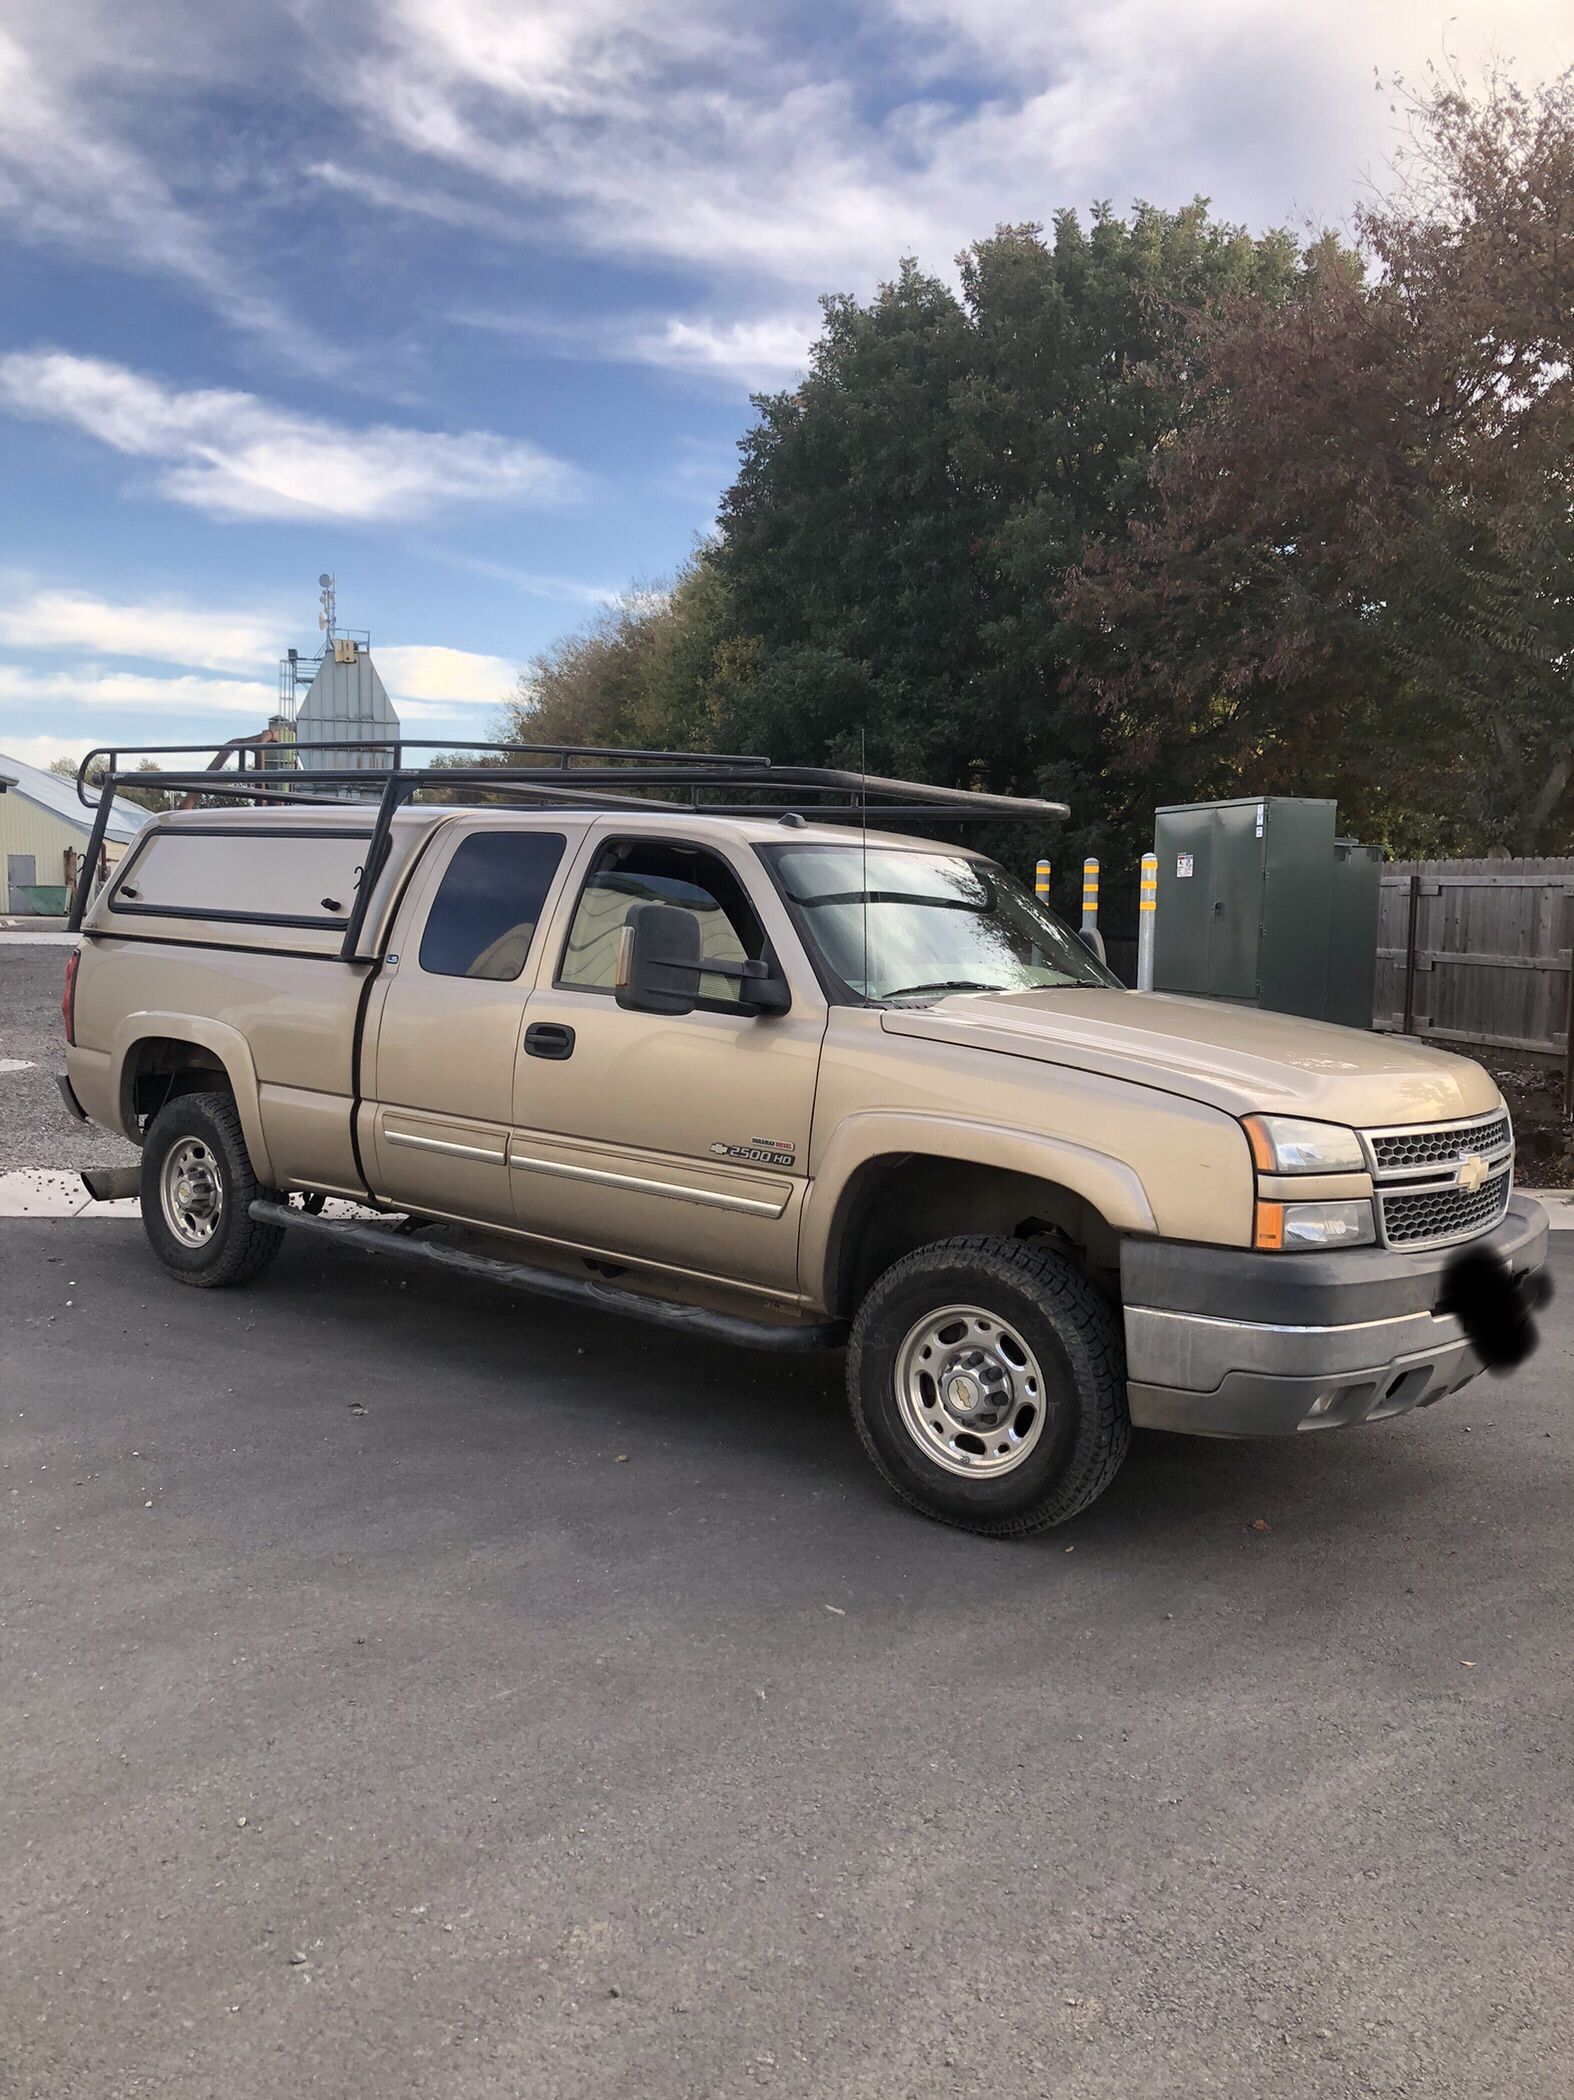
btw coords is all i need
(567, 776)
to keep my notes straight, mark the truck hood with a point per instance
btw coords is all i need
(1236, 1058)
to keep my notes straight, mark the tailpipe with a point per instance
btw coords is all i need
(111, 1184)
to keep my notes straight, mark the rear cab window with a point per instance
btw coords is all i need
(483, 919)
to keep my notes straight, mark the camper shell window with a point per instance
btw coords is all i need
(288, 877)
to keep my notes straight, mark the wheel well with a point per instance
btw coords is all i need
(906, 1200)
(158, 1069)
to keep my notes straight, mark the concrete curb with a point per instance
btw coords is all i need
(48, 1192)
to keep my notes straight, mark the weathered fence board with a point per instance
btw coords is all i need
(1480, 952)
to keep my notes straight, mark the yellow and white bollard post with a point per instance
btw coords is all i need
(1090, 908)
(1041, 882)
(1147, 908)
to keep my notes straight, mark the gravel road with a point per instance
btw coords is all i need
(35, 1129)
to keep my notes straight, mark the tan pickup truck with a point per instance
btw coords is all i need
(794, 1082)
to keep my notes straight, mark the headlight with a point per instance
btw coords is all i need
(1293, 1145)
(1292, 1227)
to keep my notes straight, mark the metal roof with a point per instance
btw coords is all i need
(59, 796)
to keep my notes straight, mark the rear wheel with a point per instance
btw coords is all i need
(197, 1190)
(987, 1381)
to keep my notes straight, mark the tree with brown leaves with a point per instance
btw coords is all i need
(1357, 574)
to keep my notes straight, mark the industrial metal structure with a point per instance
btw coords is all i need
(336, 702)
(1259, 902)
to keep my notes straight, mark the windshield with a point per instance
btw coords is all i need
(893, 924)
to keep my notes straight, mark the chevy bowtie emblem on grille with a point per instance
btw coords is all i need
(1472, 1173)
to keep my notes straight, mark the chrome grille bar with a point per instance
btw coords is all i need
(1441, 1183)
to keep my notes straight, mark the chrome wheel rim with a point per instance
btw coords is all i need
(191, 1192)
(970, 1392)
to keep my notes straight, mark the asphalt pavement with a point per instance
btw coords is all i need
(412, 1689)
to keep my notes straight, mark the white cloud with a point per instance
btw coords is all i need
(769, 347)
(738, 147)
(763, 157)
(185, 694)
(540, 583)
(234, 455)
(44, 750)
(457, 677)
(429, 685)
(772, 346)
(161, 631)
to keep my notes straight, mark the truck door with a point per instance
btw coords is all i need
(679, 1139)
(440, 1083)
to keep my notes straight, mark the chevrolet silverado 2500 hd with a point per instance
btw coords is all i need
(792, 1082)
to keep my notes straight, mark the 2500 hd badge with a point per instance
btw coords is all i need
(761, 1152)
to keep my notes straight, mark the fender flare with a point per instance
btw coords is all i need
(228, 1045)
(1109, 1185)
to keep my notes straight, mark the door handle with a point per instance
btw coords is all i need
(549, 1039)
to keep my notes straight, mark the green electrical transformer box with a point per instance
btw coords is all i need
(1259, 902)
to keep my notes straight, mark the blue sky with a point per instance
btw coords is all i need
(463, 299)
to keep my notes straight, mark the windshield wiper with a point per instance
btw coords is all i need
(946, 984)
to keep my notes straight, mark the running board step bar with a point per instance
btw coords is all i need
(546, 1283)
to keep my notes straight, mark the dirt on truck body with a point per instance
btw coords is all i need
(782, 1075)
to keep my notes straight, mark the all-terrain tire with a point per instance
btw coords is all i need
(1036, 1307)
(204, 1131)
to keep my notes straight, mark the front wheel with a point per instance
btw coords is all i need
(987, 1380)
(197, 1190)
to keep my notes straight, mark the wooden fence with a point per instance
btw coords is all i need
(1479, 952)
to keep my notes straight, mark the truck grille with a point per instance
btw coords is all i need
(1431, 1147)
(1421, 1201)
(1444, 1214)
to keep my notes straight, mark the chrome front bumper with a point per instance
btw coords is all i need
(1221, 1343)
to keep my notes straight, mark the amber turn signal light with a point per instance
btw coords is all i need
(1264, 1158)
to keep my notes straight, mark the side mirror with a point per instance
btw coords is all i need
(658, 960)
(660, 963)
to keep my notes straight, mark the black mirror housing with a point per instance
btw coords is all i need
(659, 958)
(661, 961)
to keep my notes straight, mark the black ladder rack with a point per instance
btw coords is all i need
(542, 776)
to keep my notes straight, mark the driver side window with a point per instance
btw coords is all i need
(645, 871)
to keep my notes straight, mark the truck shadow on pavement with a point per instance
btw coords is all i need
(721, 1414)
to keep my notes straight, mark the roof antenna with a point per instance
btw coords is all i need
(863, 833)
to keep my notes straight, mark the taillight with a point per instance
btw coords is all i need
(68, 998)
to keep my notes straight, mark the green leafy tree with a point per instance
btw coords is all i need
(155, 799)
(656, 670)
(904, 521)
